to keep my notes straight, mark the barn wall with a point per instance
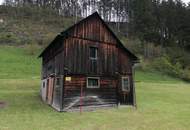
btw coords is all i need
(75, 50)
(93, 29)
(125, 69)
(53, 65)
(124, 63)
(125, 97)
(69, 56)
(78, 61)
(105, 95)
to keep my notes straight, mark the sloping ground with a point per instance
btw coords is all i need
(3, 104)
(163, 102)
(16, 63)
(27, 25)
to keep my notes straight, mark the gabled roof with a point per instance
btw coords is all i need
(66, 34)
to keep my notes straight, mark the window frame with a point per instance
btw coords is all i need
(96, 53)
(58, 79)
(122, 83)
(98, 78)
(43, 84)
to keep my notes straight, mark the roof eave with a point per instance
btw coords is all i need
(55, 39)
(65, 33)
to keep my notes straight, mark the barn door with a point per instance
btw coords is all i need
(50, 87)
(124, 89)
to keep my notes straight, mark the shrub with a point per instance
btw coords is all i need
(31, 48)
(151, 51)
(186, 74)
(8, 38)
(177, 54)
(133, 45)
(164, 64)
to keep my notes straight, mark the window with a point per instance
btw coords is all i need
(43, 84)
(93, 82)
(49, 67)
(125, 84)
(57, 81)
(93, 53)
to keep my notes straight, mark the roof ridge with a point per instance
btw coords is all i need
(65, 33)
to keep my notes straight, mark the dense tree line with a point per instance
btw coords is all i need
(158, 21)
(163, 22)
(109, 9)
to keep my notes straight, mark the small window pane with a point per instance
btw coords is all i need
(57, 81)
(93, 83)
(43, 84)
(93, 52)
(125, 84)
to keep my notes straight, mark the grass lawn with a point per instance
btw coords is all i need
(163, 102)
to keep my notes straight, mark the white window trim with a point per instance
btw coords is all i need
(87, 86)
(44, 83)
(123, 89)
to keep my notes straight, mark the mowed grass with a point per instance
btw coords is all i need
(16, 63)
(163, 103)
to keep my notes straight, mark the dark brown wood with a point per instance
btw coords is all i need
(62, 91)
(50, 90)
(69, 56)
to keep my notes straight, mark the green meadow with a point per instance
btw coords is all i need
(163, 102)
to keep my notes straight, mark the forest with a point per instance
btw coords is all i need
(158, 31)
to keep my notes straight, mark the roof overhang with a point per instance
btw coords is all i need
(65, 34)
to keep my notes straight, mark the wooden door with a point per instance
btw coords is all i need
(124, 89)
(50, 88)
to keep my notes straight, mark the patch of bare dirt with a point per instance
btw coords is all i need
(3, 104)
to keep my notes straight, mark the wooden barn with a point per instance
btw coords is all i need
(87, 66)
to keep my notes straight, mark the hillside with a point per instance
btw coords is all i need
(27, 25)
(34, 28)
(163, 102)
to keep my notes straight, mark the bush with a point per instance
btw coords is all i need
(164, 64)
(151, 51)
(177, 54)
(31, 48)
(186, 74)
(8, 38)
(133, 45)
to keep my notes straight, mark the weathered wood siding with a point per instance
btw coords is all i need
(92, 29)
(125, 69)
(78, 61)
(50, 88)
(124, 63)
(125, 97)
(70, 56)
(105, 95)
(53, 63)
